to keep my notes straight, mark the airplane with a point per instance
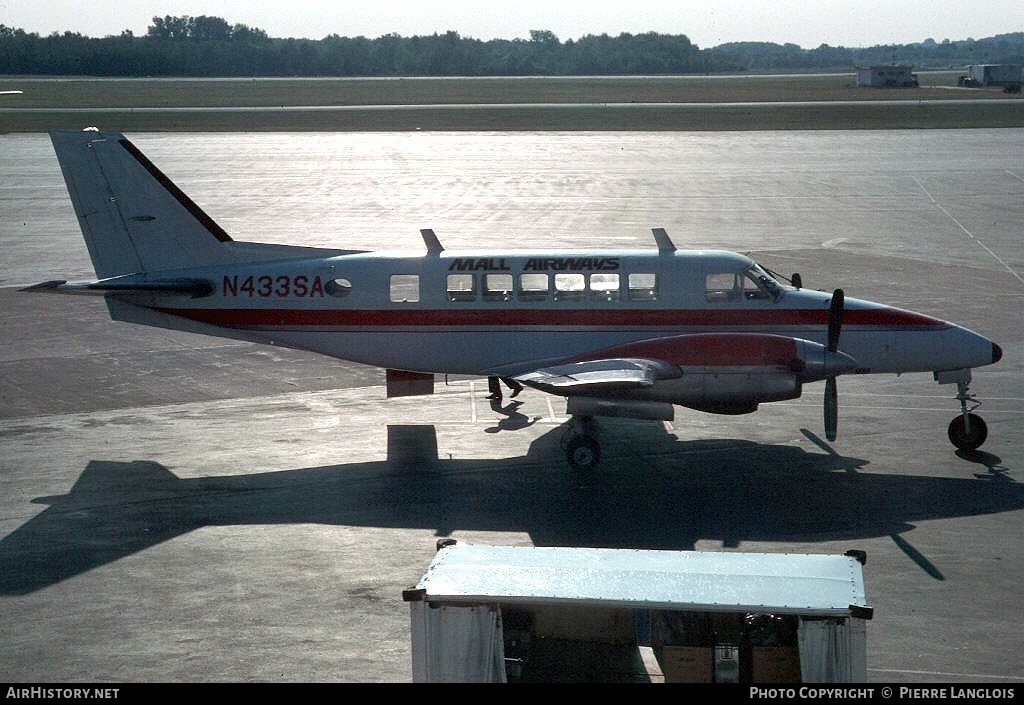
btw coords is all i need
(628, 333)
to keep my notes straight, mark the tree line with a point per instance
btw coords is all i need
(210, 46)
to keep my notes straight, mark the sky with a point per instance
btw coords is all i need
(806, 23)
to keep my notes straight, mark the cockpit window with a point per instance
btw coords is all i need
(761, 284)
(748, 284)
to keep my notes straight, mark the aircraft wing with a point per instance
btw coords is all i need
(722, 373)
(600, 376)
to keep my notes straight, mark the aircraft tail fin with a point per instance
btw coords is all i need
(133, 218)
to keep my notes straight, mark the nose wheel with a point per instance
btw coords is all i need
(967, 431)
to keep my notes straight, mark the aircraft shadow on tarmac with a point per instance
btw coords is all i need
(651, 491)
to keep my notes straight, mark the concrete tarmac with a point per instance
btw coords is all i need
(175, 508)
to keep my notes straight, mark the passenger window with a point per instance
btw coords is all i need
(497, 287)
(643, 286)
(461, 287)
(405, 288)
(604, 286)
(569, 286)
(721, 286)
(533, 286)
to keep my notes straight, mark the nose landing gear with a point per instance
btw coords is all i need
(967, 431)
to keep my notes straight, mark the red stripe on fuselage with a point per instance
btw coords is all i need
(566, 318)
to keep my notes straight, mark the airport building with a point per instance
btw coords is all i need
(886, 76)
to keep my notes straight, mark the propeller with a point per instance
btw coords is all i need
(835, 323)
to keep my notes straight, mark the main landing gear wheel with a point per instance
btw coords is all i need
(968, 432)
(583, 453)
(581, 448)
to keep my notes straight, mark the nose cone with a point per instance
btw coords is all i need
(964, 349)
(838, 363)
(816, 362)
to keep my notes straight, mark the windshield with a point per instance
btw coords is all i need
(758, 279)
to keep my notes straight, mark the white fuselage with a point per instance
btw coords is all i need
(508, 312)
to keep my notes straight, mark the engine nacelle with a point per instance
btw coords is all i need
(719, 373)
(724, 390)
(620, 408)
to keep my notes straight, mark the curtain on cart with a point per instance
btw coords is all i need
(832, 650)
(455, 644)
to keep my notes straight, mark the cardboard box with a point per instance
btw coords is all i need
(687, 664)
(774, 664)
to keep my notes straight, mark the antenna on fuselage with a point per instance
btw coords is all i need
(665, 243)
(433, 244)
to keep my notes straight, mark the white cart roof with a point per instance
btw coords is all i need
(778, 583)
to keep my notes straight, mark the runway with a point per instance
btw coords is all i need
(177, 508)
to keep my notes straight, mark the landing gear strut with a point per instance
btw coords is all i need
(967, 431)
(581, 447)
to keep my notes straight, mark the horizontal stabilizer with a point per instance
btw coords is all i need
(191, 287)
